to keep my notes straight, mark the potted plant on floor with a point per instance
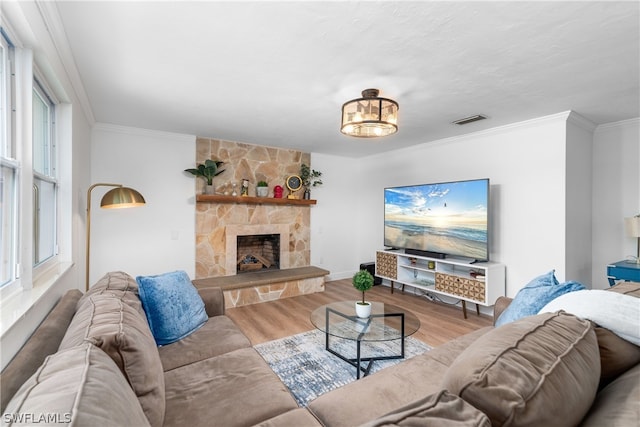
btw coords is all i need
(262, 189)
(207, 171)
(363, 281)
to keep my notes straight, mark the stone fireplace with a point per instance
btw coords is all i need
(219, 225)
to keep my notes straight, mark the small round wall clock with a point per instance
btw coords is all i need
(294, 183)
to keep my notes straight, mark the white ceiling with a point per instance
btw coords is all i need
(277, 73)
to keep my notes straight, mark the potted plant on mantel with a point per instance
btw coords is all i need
(310, 178)
(363, 281)
(262, 189)
(207, 171)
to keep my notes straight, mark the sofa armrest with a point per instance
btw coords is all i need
(213, 301)
(501, 304)
(43, 342)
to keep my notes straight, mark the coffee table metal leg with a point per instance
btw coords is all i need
(357, 362)
(358, 359)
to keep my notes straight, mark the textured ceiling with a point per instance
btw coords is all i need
(277, 73)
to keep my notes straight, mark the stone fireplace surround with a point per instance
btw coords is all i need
(219, 224)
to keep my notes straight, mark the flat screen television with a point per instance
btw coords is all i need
(440, 219)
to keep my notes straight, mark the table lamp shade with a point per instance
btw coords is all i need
(632, 226)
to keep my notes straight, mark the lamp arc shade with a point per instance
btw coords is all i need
(122, 198)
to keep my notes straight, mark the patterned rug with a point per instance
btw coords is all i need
(308, 370)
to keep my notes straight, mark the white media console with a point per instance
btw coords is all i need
(480, 283)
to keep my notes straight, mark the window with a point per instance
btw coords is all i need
(29, 188)
(8, 170)
(44, 176)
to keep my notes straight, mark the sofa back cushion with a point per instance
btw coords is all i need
(78, 386)
(119, 285)
(121, 332)
(616, 355)
(539, 370)
(618, 404)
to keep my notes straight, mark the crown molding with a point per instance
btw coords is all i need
(581, 121)
(622, 123)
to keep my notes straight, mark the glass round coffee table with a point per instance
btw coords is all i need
(387, 322)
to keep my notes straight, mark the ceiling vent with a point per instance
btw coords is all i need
(469, 119)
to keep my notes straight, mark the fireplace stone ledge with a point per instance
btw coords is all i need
(256, 287)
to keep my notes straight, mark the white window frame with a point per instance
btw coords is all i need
(49, 175)
(8, 160)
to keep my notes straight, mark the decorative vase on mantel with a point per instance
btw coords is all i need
(307, 194)
(209, 189)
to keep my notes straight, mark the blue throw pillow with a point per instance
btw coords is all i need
(173, 306)
(530, 299)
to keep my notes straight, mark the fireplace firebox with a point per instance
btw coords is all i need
(258, 252)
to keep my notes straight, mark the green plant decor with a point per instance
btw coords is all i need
(208, 170)
(362, 281)
(262, 184)
(310, 177)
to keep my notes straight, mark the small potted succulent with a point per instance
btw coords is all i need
(262, 189)
(207, 171)
(363, 281)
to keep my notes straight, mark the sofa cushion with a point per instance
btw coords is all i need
(538, 292)
(44, 341)
(297, 418)
(78, 386)
(173, 306)
(392, 387)
(618, 404)
(218, 336)
(616, 355)
(236, 388)
(529, 372)
(122, 333)
(441, 409)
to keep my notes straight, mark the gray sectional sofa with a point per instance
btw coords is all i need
(93, 361)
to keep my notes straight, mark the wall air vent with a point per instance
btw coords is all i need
(469, 119)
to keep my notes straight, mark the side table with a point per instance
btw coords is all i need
(623, 270)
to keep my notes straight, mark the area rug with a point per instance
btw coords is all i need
(308, 370)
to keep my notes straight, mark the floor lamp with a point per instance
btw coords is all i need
(119, 197)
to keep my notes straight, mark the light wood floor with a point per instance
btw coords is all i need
(268, 321)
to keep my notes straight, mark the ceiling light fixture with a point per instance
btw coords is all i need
(369, 116)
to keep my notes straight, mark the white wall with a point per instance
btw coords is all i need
(526, 165)
(334, 236)
(616, 193)
(578, 218)
(159, 236)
